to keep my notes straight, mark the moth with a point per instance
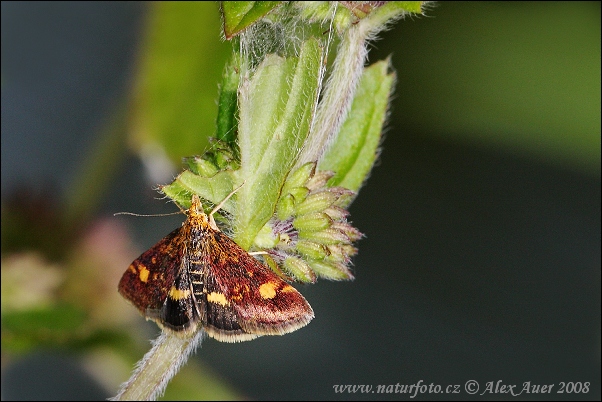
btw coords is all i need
(198, 277)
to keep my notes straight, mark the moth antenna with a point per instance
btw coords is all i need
(221, 204)
(145, 215)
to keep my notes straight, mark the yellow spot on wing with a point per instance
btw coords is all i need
(268, 290)
(143, 274)
(178, 294)
(288, 288)
(218, 298)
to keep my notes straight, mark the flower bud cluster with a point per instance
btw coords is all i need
(309, 236)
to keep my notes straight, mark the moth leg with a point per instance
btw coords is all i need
(220, 205)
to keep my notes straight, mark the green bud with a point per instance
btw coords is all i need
(319, 180)
(299, 194)
(270, 262)
(299, 177)
(285, 207)
(341, 252)
(316, 202)
(336, 213)
(349, 230)
(299, 269)
(344, 196)
(201, 167)
(223, 159)
(327, 236)
(343, 19)
(312, 250)
(312, 222)
(331, 270)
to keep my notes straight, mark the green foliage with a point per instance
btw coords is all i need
(171, 110)
(276, 111)
(352, 155)
(239, 15)
(279, 120)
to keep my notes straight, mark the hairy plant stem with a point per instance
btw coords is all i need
(338, 94)
(158, 366)
(341, 87)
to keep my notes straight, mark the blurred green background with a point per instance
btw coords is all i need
(482, 219)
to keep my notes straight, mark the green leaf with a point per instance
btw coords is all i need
(239, 15)
(276, 108)
(354, 151)
(227, 111)
(214, 189)
(174, 98)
